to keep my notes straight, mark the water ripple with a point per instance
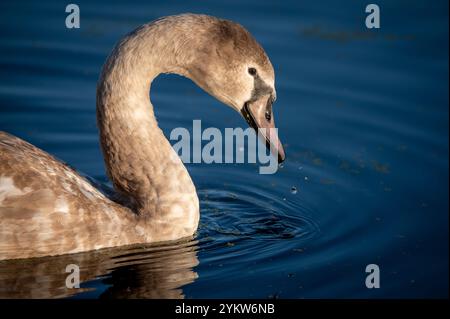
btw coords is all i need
(230, 216)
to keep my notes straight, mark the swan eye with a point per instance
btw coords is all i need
(252, 71)
(268, 116)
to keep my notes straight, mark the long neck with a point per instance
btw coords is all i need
(139, 159)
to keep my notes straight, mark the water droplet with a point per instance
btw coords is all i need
(280, 165)
(294, 190)
(306, 178)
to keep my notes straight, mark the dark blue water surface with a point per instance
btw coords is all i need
(363, 115)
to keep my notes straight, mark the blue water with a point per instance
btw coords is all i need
(363, 115)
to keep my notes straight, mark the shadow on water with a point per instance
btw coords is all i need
(144, 271)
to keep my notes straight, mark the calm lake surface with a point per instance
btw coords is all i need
(363, 115)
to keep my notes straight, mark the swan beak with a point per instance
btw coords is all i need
(259, 115)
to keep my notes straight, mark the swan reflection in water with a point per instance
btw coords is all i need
(139, 271)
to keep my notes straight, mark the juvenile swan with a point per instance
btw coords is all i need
(46, 208)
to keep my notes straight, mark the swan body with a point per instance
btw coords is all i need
(47, 208)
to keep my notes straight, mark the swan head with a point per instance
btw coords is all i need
(232, 66)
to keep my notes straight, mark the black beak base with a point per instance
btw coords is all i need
(248, 116)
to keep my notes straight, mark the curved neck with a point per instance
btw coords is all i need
(139, 159)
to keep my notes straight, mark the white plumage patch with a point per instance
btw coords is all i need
(61, 206)
(7, 188)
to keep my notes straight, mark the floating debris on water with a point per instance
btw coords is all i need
(327, 181)
(293, 190)
(381, 168)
